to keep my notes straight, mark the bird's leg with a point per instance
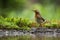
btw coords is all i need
(40, 25)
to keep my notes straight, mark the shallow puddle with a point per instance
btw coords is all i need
(32, 37)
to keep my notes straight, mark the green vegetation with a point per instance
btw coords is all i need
(15, 23)
(52, 24)
(23, 24)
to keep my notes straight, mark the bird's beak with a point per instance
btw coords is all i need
(34, 10)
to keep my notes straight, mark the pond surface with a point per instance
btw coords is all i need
(38, 36)
(45, 34)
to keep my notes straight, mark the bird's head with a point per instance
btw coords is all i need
(36, 11)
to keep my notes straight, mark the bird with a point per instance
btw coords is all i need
(38, 17)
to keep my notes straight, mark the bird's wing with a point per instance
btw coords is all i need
(40, 18)
(43, 19)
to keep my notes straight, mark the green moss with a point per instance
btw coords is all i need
(14, 23)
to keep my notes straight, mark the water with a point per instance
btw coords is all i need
(48, 34)
(37, 36)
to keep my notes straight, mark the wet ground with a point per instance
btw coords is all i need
(41, 34)
(32, 37)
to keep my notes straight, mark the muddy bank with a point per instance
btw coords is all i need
(33, 31)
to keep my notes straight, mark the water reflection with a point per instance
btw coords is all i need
(28, 36)
(25, 35)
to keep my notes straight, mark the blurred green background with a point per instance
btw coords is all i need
(49, 9)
